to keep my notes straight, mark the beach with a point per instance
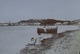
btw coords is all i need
(62, 43)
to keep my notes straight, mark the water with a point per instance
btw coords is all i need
(14, 38)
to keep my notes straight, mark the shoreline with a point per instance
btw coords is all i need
(46, 44)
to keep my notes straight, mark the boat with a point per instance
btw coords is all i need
(47, 30)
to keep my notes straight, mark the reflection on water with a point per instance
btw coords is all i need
(13, 39)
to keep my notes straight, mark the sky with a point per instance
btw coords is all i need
(16, 10)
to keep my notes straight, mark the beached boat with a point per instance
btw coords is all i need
(47, 30)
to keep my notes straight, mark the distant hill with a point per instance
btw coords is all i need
(43, 21)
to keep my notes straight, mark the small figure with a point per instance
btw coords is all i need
(35, 41)
(40, 39)
(32, 39)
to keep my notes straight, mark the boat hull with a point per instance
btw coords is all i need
(48, 31)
